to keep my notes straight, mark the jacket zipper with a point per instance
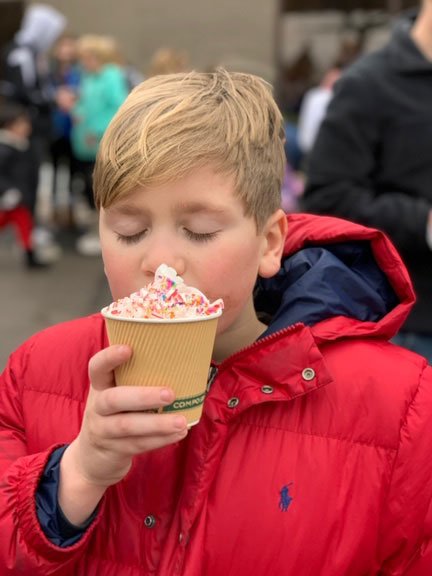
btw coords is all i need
(255, 344)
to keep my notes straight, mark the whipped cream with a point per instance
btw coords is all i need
(167, 297)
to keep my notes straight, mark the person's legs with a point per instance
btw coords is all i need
(88, 243)
(33, 170)
(63, 170)
(86, 171)
(20, 218)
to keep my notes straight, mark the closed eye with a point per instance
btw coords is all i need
(200, 237)
(133, 239)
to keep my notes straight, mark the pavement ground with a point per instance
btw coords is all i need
(31, 300)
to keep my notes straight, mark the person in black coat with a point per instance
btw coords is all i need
(25, 79)
(372, 161)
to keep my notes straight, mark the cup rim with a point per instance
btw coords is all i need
(110, 316)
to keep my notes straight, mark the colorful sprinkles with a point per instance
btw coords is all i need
(167, 297)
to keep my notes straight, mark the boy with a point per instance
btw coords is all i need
(312, 456)
(18, 177)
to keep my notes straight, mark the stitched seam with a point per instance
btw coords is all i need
(324, 437)
(404, 421)
(100, 560)
(56, 394)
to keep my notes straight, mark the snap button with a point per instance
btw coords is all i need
(308, 374)
(267, 389)
(233, 402)
(149, 521)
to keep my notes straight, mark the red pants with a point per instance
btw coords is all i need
(21, 219)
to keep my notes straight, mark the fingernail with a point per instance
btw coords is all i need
(180, 422)
(166, 395)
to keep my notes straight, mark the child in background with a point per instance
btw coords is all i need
(18, 176)
(103, 87)
(168, 61)
(65, 78)
(313, 109)
(312, 456)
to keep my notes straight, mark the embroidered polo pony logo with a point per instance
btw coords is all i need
(285, 497)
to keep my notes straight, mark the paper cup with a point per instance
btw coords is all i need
(174, 353)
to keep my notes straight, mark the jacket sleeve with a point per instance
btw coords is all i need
(406, 527)
(341, 166)
(50, 515)
(24, 548)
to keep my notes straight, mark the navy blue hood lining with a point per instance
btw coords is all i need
(318, 283)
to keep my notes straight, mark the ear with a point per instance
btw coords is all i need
(274, 233)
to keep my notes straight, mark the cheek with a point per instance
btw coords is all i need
(233, 307)
(119, 273)
(233, 280)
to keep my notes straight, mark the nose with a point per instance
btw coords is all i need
(162, 250)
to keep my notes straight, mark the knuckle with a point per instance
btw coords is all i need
(94, 438)
(109, 400)
(123, 426)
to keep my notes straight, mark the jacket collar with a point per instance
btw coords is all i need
(280, 367)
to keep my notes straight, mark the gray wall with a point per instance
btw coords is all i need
(235, 33)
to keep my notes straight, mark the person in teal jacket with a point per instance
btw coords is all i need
(103, 88)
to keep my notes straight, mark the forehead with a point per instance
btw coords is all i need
(201, 191)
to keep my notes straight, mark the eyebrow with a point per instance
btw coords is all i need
(127, 210)
(186, 208)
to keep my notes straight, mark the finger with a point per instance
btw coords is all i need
(139, 425)
(133, 446)
(102, 365)
(132, 399)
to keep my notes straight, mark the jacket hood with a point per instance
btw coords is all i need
(40, 27)
(342, 278)
(404, 52)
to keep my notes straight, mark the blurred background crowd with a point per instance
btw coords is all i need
(342, 71)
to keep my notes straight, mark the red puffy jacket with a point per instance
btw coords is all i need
(313, 456)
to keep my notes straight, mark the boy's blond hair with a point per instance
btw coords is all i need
(171, 125)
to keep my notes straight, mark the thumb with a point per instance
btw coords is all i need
(102, 365)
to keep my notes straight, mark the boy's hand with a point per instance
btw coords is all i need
(117, 425)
